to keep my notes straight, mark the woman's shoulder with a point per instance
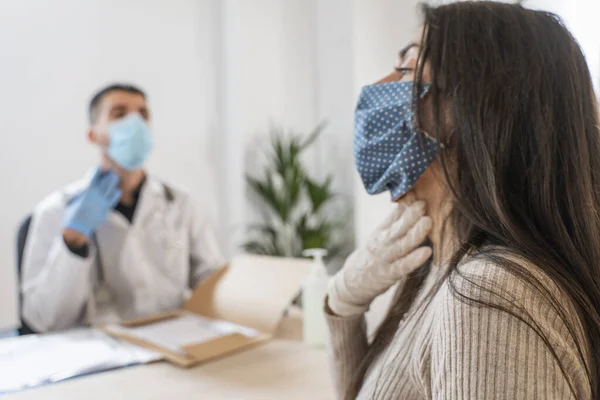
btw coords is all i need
(508, 288)
(512, 297)
(500, 275)
(508, 314)
(504, 281)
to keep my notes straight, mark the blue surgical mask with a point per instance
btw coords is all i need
(390, 152)
(130, 142)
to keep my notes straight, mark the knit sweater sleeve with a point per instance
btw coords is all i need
(480, 352)
(347, 348)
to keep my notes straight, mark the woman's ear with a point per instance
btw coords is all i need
(425, 121)
(91, 136)
(446, 121)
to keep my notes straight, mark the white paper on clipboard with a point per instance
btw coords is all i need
(185, 329)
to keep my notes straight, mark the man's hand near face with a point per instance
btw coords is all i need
(89, 209)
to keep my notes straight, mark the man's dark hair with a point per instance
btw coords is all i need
(97, 99)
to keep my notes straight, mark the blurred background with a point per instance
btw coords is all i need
(223, 77)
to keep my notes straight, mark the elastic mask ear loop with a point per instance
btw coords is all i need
(442, 145)
(421, 131)
(448, 144)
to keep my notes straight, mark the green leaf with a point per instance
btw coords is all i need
(266, 243)
(293, 183)
(266, 190)
(319, 194)
(266, 230)
(281, 157)
(294, 149)
(302, 223)
(314, 135)
(256, 247)
(315, 240)
(259, 187)
(316, 236)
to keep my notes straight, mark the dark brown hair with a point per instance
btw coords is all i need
(99, 96)
(524, 161)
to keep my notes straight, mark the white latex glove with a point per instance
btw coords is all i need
(391, 254)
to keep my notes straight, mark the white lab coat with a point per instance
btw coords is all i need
(149, 266)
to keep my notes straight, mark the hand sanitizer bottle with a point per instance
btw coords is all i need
(316, 333)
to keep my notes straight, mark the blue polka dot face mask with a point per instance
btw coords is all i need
(389, 151)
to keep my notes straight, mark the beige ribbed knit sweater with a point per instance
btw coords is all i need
(447, 349)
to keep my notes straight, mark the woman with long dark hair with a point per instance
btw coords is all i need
(487, 137)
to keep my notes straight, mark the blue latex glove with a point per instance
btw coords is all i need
(88, 210)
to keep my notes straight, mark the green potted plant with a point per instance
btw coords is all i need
(296, 208)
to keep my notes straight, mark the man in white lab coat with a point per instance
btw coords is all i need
(119, 244)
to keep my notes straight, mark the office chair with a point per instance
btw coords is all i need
(22, 233)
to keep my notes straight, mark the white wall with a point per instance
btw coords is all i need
(54, 56)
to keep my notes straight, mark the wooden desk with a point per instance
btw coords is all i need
(280, 369)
